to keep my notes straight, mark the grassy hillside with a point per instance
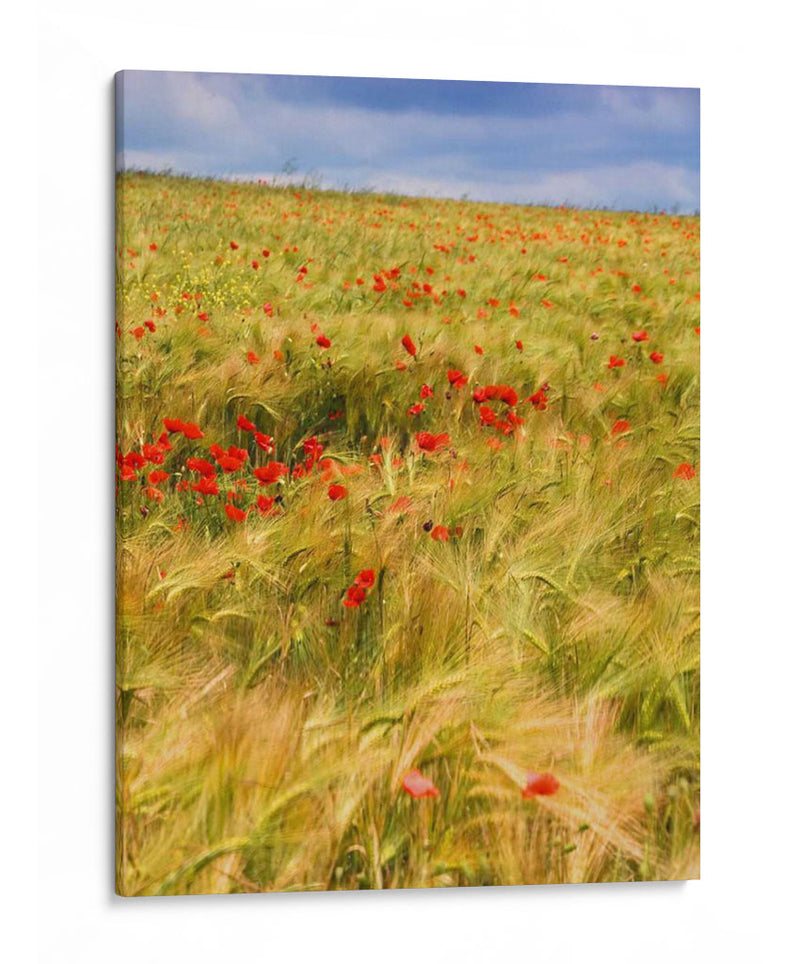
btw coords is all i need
(348, 554)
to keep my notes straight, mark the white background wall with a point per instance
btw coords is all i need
(742, 57)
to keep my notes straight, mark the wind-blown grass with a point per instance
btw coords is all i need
(264, 728)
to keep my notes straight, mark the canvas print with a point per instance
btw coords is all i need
(407, 483)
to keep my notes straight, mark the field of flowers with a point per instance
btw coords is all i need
(407, 541)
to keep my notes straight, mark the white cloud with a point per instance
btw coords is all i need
(221, 125)
(252, 121)
(620, 186)
(651, 109)
(196, 100)
(147, 160)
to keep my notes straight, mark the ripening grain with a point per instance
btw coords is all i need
(408, 541)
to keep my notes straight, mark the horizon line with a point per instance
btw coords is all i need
(256, 180)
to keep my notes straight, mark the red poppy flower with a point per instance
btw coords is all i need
(614, 362)
(135, 459)
(264, 504)
(656, 357)
(636, 289)
(416, 409)
(639, 335)
(192, 431)
(202, 466)
(229, 463)
(323, 342)
(173, 424)
(430, 443)
(203, 316)
(253, 358)
(684, 471)
(155, 495)
(206, 486)
(265, 442)
(240, 454)
(234, 246)
(426, 392)
(456, 378)
(440, 534)
(540, 785)
(150, 326)
(478, 350)
(409, 345)
(157, 476)
(547, 304)
(399, 505)
(153, 246)
(237, 515)
(514, 311)
(417, 786)
(271, 472)
(355, 596)
(365, 579)
(127, 473)
(138, 332)
(153, 453)
(313, 448)
(488, 417)
(336, 492)
(518, 344)
(244, 423)
(503, 393)
(539, 400)
(620, 426)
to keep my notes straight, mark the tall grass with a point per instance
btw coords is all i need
(264, 729)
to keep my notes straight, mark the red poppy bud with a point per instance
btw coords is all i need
(540, 785)
(409, 345)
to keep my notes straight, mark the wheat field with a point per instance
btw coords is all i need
(407, 541)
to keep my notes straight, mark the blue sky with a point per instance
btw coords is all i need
(620, 147)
